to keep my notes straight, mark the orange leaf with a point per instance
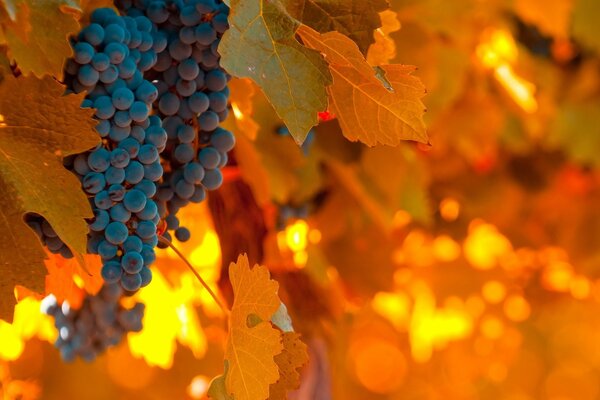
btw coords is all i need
(370, 108)
(252, 341)
(384, 49)
(66, 280)
(292, 358)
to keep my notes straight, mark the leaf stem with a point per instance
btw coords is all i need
(167, 242)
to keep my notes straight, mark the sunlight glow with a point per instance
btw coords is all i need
(499, 52)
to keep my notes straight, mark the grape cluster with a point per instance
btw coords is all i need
(101, 322)
(110, 57)
(193, 97)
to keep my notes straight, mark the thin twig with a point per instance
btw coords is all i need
(167, 242)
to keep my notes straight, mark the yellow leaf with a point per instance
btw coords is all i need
(366, 108)
(252, 341)
(38, 38)
(383, 50)
(261, 45)
(38, 127)
(292, 358)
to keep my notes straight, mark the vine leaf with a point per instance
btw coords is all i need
(253, 342)
(383, 50)
(356, 19)
(63, 275)
(37, 34)
(38, 127)
(293, 357)
(367, 108)
(261, 45)
(586, 17)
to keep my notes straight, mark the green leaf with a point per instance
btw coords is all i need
(38, 37)
(577, 132)
(586, 17)
(261, 45)
(356, 19)
(38, 128)
(217, 389)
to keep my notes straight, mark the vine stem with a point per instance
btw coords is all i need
(167, 242)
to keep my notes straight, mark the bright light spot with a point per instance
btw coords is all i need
(198, 387)
(237, 112)
(433, 327)
(395, 307)
(519, 89)
(580, 287)
(485, 245)
(207, 255)
(295, 239)
(296, 235)
(449, 209)
(401, 219)
(445, 248)
(493, 292)
(498, 47)
(379, 365)
(314, 236)
(516, 308)
(492, 327)
(499, 52)
(28, 322)
(557, 276)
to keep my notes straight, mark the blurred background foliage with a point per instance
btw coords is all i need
(464, 269)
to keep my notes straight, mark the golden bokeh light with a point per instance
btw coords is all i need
(379, 365)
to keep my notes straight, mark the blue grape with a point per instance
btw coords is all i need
(169, 104)
(111, 272)
(134, 172)
(148, 154)
(183, 153)
(218, 101)
(208, 121)
(209, 157)
(199, 102)
(114, 176)
(133, 243)
(205, 34)
(212, 179)
(119, 213)
(188, 69)
(116, 232)
(83, 52)
(216, 80)
(139, 111)
(132, 262)
(104, 107)
(114, 33)
(102, 200)
(93, 34)
(116, 192)
(153, 171)
(134, 200)
(107, 249)
(148, 187)
(131, 282)
(182, 234)
(145, 229)
(122, 98)
(222, 140)
(100, 221)
(93, 182)
(193, 173)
